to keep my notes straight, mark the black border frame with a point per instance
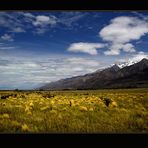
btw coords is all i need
(73, 5)
(70, 140)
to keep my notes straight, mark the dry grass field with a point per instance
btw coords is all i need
(88, 111)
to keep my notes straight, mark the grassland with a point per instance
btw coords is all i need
(89, 111)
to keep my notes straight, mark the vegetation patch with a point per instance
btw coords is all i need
(88, 111)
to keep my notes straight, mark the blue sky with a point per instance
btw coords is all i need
(41, 47)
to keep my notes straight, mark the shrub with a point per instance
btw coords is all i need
(107, 101)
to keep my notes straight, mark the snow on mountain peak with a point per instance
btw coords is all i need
(128, 63)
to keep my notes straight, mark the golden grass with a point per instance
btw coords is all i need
(75, 111)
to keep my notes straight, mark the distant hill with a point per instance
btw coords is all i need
(135, 75)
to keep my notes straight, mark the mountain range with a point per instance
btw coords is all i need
(132, 75)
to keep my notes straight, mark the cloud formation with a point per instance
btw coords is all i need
(5, 47)
(139, 56)
(70, 18)
(26, 72)
(7, 37)
(42, 20)
(121, 31)
(17, 30)
(90, 48)
(136, 57)
(21, 22)
(38, 24)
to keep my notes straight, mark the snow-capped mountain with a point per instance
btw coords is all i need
(131, 76)
(128, 63)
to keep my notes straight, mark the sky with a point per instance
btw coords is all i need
(38, 47)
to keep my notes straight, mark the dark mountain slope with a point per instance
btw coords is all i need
(135, 75)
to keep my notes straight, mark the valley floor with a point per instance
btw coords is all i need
(88, 111)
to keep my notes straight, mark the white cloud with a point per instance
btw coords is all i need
(128, 48)
(68, 18)
(145, 17)
(112, 52)
(4, 46)
(139, 56)
(42, 20)
(26, 14)
(7, 37)
(134, 58)
(18, 30)
(20, 72)
(115, 49)
(11, 20)
(82, 61)
(7, 48)
(121, 31)
(40, 31)
(19, 22)
(90, 48)
(42, 23)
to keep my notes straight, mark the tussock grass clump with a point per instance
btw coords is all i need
(25, 128)
(91, 109)
(113, 104)
(83, 108)
(5, 116)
